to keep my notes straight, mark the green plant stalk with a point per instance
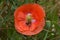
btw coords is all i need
(45, 35)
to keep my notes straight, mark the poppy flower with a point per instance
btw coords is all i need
(29, 19)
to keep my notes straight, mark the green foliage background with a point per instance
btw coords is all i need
(51, 30)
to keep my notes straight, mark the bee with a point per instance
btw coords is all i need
(28, 19)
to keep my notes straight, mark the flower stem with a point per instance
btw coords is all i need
(45, 35)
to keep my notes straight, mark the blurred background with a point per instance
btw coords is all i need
(52, 27)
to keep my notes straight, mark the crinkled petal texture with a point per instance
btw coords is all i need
(38, 21)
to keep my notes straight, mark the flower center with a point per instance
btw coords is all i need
(28, 19)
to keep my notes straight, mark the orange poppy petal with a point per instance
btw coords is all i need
(36, 31)
(37, 14)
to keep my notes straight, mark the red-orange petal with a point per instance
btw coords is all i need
(38, 15)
